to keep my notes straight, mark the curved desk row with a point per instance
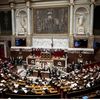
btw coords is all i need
(89, 92)
(46, 96)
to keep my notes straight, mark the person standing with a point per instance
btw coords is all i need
(39, 74)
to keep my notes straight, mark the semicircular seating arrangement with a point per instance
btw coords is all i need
(77, 84)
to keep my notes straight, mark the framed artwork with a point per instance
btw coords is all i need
(59, 63)
(51, 20)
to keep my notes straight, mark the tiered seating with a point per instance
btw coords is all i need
(77, 84)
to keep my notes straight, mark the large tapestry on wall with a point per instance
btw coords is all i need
(51, 20)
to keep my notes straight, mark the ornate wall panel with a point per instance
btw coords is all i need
(21, 21)
(81, 20)
(50, 43)
(82, 1)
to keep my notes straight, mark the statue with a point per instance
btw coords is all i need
(81, 24)
(23, 22)
(80, 20)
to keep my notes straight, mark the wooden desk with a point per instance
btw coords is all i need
(44, 96)
(43, 73)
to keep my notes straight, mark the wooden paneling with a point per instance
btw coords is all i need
(75, 56)
(71, 56)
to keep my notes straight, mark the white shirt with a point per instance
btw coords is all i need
(22, 72)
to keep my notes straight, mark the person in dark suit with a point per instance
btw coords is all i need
(39, 73)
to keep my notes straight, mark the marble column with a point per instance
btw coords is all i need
(12, 5)
(91, 18)
(28, 17)
(71, 17)
(71, 40)
(66, 60)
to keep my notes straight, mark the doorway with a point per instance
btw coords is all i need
(96, 26)
(2, 50)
